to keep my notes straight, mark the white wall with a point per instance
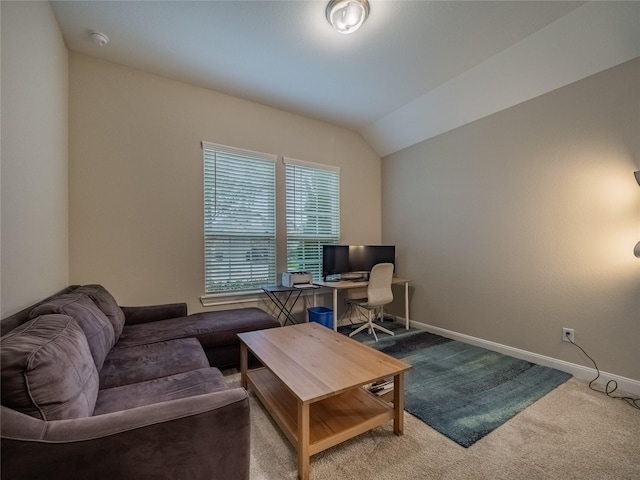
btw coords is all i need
(35, 258)
(136, 195)
(524, 222)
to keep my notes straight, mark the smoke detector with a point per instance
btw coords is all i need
(100, 38)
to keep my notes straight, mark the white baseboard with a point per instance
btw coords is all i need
(626, 385)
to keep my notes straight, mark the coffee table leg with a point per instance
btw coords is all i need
(398, 404)
(303, 440)
(243, 364)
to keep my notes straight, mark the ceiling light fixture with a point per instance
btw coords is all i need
(99, 38)
(346, 16)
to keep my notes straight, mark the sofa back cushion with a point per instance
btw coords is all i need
(47, 369)
(107, 304)
(95, 324)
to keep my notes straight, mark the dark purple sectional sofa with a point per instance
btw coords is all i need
(93, 390)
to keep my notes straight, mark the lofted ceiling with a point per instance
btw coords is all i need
(415, 69)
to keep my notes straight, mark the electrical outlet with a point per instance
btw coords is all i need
(567, 335)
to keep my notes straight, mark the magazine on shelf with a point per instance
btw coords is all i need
(381, 386)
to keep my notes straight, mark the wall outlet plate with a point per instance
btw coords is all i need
(564, 335)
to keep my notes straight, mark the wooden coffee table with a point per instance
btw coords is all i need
(311, 385)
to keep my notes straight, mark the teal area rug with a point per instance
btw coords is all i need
(463, 391)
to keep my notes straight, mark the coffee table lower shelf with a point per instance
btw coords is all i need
(332, 420)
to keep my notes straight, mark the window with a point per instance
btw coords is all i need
(313, 214)
(239, 219)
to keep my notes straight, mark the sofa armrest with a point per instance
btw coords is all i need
(200, 437)
(152, 313)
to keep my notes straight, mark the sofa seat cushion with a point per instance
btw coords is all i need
(92, 321)
(173, 387)
(47, 369)
(107, 304)
(212, 329)
(126, 365)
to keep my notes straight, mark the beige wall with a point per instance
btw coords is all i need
(34, 155)
(136, 176)
(524, 222)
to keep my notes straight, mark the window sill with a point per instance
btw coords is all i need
(216, 299)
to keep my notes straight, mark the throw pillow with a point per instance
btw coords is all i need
(47, 369)
(107, 304)
(95, 324)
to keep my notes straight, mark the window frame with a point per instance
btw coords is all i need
(327, 226)
(264, 223)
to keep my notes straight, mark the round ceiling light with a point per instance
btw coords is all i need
(346, 16)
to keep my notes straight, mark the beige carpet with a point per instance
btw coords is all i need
(572, 433)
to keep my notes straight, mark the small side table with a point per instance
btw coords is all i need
(285, 298)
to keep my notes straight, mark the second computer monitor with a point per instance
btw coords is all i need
(335, 260)
(362, 258)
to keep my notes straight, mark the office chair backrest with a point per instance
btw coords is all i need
(379, 289)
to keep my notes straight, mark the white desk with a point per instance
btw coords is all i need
(345, 285)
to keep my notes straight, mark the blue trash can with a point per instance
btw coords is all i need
(321, 315)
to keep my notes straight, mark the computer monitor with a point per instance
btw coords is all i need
(335, 260)
(362, 258)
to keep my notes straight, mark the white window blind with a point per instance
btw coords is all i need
(239, 219)
(313, 213)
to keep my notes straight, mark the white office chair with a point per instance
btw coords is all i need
(378, 294)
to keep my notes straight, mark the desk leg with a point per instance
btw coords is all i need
(406, 305)
(303, 440)
(335, 309)
(281, 307)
